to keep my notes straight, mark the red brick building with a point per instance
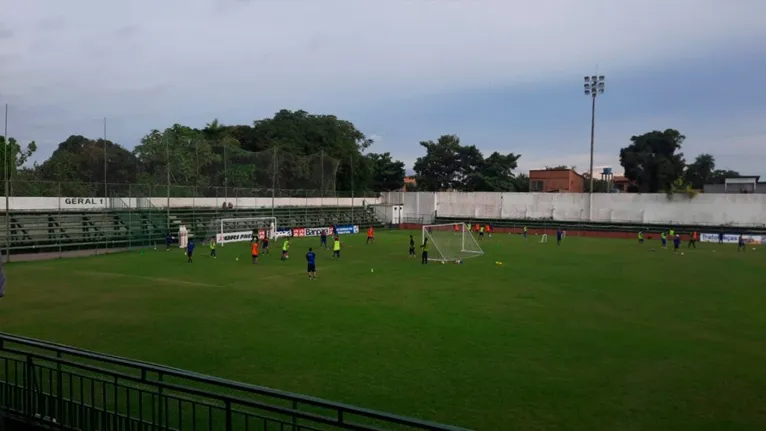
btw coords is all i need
(556, 181)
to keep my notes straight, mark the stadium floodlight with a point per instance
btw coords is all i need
(451, 242)
(594, 86)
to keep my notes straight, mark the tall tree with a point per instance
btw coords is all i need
(449, 165)
(700, 172)
(78, 165)
(520, 183)
(387, 173)
(652, 160)
(17, 156)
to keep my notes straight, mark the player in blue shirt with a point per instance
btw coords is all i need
(190, 250)
(741, 243)
(168, 241)
(311, 264)
(559, 236)
(676, 243)
(323, 240)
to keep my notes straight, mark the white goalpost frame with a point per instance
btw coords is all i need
(251, 223)
(544, 238)
(463, 231)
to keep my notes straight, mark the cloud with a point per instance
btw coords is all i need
(146, 64)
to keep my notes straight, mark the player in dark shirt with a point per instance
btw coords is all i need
(168, 241)
(323, 240)
(311, 264)
(412, 246)
(189, 251)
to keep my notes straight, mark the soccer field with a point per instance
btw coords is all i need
(594, 334)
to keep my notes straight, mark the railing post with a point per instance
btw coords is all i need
(228, 416)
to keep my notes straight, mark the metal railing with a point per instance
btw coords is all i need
(66, 388)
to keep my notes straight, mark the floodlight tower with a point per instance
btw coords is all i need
(594, 87)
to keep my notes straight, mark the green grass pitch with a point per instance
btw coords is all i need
(594, 334)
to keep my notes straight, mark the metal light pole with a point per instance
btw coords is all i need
(105, 164)
(6, 178)
(594, 86)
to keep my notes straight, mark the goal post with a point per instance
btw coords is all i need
(240, 229)
(450, 242)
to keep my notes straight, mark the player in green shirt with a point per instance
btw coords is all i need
(424, 252)
(336, 248)
(212, 247)
(640, 237)
(285, 248)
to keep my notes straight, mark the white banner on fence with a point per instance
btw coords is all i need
(223, 238)
(731, 238)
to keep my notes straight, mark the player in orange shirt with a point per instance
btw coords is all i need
(457, 228)
(254, 250)
(370, 235)
(488, 229)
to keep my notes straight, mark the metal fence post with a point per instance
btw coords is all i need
(58, 193)
(130, 213)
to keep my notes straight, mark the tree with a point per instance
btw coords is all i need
(448, 165)
(494, 174)
(78, 164)
(599, 186)
(700, 172)
(387, 173)
(17, 156)
(520, 183)
(652, 161)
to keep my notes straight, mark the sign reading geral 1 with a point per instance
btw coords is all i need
(82, 203)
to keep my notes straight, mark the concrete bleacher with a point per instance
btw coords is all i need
(118, 228)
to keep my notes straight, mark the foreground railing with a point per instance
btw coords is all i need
(66, 388)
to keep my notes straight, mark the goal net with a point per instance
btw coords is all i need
(228, 230)
(450, 242)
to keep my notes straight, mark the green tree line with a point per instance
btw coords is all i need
(299, 150)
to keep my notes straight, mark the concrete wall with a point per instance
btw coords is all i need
(82, 203)
(711, 209)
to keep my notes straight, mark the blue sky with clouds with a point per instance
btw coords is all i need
(504, 75)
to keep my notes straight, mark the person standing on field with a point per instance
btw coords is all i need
(424, 252)
(693, 240)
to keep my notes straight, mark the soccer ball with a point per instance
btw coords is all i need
(442, 262)
(236, 258)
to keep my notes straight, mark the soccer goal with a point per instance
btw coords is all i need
(241, 229)
(451, 242)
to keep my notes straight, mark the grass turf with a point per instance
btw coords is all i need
(595, 334)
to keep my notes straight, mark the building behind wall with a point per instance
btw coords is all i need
(556, 181)
(743, 184)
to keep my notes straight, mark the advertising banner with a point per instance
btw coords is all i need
(223, 238)
(730, 238)
(346, 229)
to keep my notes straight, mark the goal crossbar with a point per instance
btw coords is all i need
(244, 228)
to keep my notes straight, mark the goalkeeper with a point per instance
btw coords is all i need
(424, 252)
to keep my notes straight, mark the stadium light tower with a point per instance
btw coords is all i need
(594, 87)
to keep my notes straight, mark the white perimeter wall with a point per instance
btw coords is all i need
(714, 209)
(78, 204)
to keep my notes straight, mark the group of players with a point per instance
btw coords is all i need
(261, 246)
(693, 237)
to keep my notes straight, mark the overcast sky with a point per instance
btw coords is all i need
(505, 75)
